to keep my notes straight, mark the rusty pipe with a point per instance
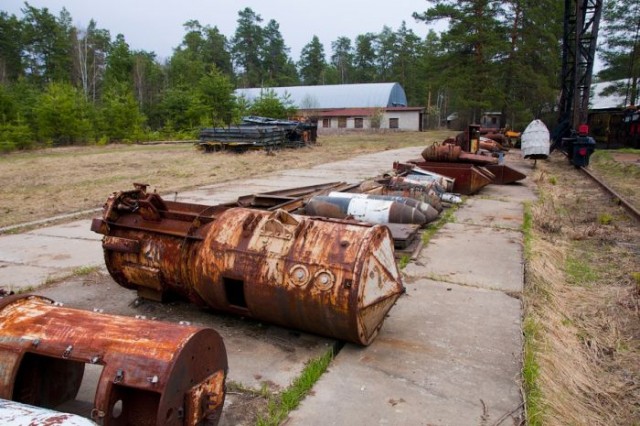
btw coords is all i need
(330, 277)
(155, 373)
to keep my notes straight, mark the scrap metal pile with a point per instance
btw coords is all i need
(259, 133)
(319, 258)
(474, 161)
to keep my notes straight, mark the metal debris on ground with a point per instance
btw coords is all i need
(259, 133)
(331, 277)
(153, 373)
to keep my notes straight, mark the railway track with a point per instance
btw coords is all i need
(634, 212)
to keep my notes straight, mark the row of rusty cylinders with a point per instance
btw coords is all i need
(330, 276)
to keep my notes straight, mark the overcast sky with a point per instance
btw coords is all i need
(156, 25)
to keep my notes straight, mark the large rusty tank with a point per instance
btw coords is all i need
(152, 372)
(331, 277)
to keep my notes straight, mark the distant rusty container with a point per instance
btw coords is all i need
(153, 373)
(331, 277)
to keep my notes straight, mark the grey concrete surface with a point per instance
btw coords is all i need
(473, 255)
(448, 354)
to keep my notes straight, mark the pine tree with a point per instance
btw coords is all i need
(247, 45)
(313, 63)
(621, 48)
(342, 58)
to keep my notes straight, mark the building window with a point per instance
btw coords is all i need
(342, 122)
(326, 122)
(394, 123)
(358, 122)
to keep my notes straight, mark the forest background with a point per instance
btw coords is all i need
(63, 85)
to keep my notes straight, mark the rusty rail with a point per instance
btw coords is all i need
(623, 202)
(153, 373)
(331, 277)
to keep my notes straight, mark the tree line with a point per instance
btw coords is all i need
(60, 84)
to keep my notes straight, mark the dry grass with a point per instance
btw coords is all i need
(581, 304)
(45, 183)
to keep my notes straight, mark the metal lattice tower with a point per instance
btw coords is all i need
(581, 24)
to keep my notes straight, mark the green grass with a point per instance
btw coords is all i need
(605, 219)
(84, 270)
(527, 229)
(579, 272)
(404, 261)
(432, 228)
(531, 373)
(280, 405)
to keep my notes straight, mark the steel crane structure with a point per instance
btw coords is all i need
(581, 25)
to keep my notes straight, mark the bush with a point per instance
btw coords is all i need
(15, 136)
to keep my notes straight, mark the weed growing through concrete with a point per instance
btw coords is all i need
(404, 261)
(85, 270)
(280, 405)
(432, 228)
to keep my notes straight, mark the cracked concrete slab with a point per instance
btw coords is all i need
(80, 229)
(466, 254)
(491, 213)
(448, 354)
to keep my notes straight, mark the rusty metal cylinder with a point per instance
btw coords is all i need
(153, 373)
(364, 209)
(429, 212)
(330, 277)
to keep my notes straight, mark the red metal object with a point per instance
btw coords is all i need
(469, 179)
(504, 174)
(331, 277)
(154, 373)
(445, 152)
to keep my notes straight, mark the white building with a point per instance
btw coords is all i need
(342, 107)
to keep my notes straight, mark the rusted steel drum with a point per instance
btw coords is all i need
(331, 277)
(153, 373)
(364, 209)
(16, 414)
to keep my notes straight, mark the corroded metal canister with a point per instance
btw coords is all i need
(153, 373)
(331, 277)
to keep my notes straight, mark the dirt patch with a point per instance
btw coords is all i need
(626, 157)
(45, 183)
